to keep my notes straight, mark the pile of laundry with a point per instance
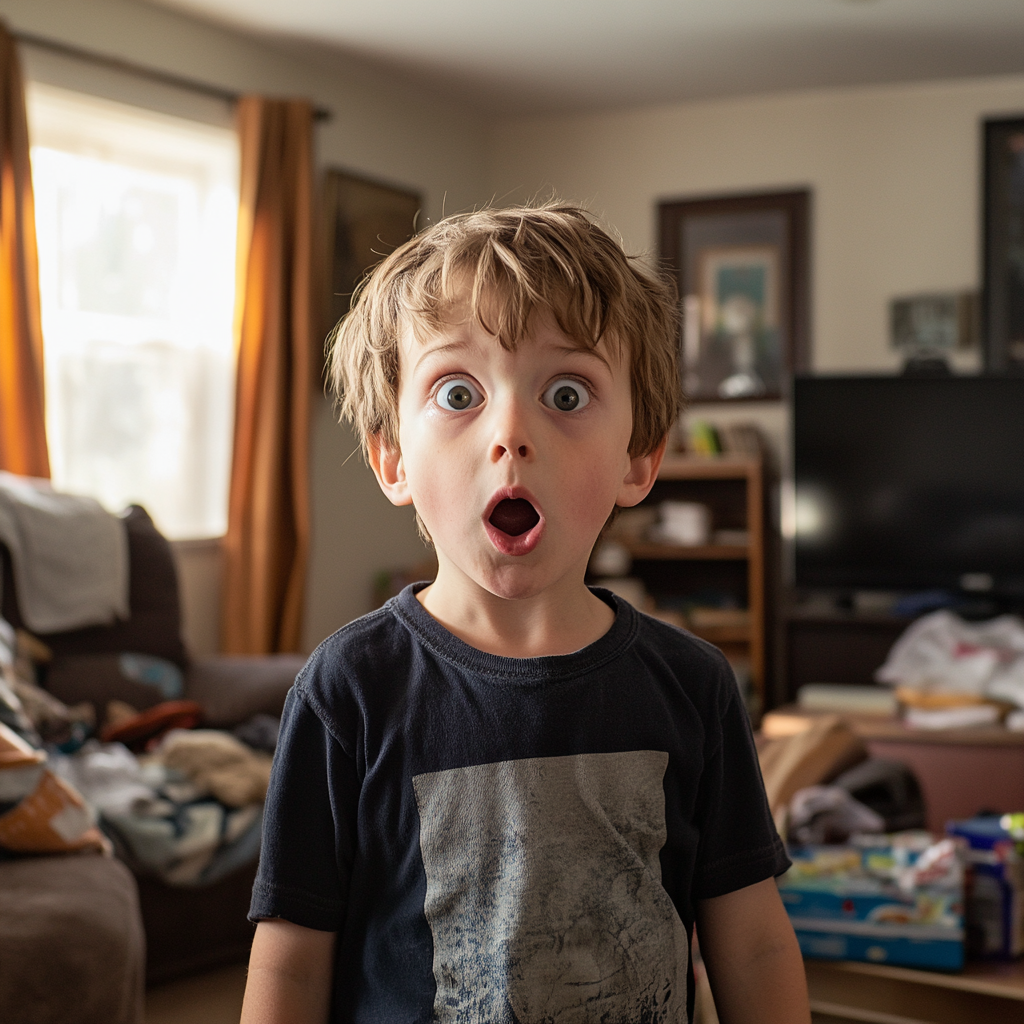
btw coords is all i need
(185, 805)
(189, 811)
(949, 673)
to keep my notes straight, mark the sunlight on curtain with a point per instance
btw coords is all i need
(22, 428)
(136, 217)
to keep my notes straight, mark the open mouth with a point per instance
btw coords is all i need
(514, 516)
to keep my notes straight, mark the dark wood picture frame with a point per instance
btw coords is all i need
(741, 266)
(1003, 246)
(362, 222)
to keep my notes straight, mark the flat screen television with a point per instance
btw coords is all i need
(909, 483)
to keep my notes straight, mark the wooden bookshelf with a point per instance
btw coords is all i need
(734, 490)
(674, 552)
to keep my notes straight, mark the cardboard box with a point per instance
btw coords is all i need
(995, 888)
(899, 901)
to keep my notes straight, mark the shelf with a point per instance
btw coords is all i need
(651, 552)
(714, 633)
(886, 728)
(738, 634)
(884, 994)
(845, 617)
(732, 487)
(1005, 979)
(710, 467)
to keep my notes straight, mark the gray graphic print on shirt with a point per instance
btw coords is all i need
(544, 892)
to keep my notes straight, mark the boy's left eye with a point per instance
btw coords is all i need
(566, 395)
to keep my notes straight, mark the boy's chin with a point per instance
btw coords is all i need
(522, 583)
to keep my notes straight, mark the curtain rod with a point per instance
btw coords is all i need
(140, 70)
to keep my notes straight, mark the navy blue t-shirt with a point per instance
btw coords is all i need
(511, 840)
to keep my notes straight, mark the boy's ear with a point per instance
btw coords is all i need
(389, 469)
(643, 471)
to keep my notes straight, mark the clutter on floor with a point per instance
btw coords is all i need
(884, 899)
(867, 882)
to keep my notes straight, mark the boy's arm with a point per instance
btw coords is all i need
(291, 969)
(752, 957)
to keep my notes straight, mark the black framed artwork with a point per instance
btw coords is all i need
(741, 268)
(363, 221)
(1003, 244)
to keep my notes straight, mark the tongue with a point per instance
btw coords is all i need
(514, 516)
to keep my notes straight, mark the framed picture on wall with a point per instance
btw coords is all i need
(1003, 298)
(363, 221)
(741, 267)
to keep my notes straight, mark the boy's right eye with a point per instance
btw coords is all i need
(458, 395)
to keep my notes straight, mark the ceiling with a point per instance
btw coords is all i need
(535, 56)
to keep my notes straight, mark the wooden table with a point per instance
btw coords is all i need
(987, 993)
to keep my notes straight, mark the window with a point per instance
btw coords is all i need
(136, 216)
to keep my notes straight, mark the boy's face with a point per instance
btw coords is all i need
(513, 460)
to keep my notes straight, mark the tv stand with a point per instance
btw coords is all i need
(832, 641)
(843, 636)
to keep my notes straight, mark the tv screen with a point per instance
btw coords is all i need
(909, 483)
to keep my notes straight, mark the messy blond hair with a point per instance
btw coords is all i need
(503, 267)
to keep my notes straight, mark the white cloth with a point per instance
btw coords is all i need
(942, 652)
(69, 555)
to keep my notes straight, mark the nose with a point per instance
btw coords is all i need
(511, 435)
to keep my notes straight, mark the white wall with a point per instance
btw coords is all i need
(380, 128)
(895, 174)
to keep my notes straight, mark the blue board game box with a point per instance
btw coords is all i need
(890, 899)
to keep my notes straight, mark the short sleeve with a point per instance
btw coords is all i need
(308, 825)
(739, 844)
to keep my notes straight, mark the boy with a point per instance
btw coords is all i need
(506, 797)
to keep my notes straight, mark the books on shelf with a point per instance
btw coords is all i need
(704, 438)
(856, 700)
(704, 618)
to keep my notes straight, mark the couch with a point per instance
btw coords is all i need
(66, 921)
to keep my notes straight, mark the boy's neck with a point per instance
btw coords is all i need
(561, 619)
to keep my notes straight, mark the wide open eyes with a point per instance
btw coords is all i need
(457, 395)
(566, 395)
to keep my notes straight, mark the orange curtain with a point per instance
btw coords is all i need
(267, 542)
(22, 423)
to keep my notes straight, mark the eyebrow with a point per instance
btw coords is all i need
(585, 352)
(456, 346)
(433, 350)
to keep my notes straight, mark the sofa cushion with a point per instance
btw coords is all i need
(232, 689)
(72, 948)
(155, 623)
(98, 679)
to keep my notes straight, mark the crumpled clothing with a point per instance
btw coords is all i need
(110, 777)
(161, 822)
(260, 732)
(190, 844)
(829, 814)
(39, 811)
(943, 653)
(218, 763)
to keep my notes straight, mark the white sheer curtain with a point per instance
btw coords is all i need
(136, 219)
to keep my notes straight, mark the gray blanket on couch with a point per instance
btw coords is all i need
(69, 556)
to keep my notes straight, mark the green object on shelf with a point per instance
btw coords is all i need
(704, 439)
